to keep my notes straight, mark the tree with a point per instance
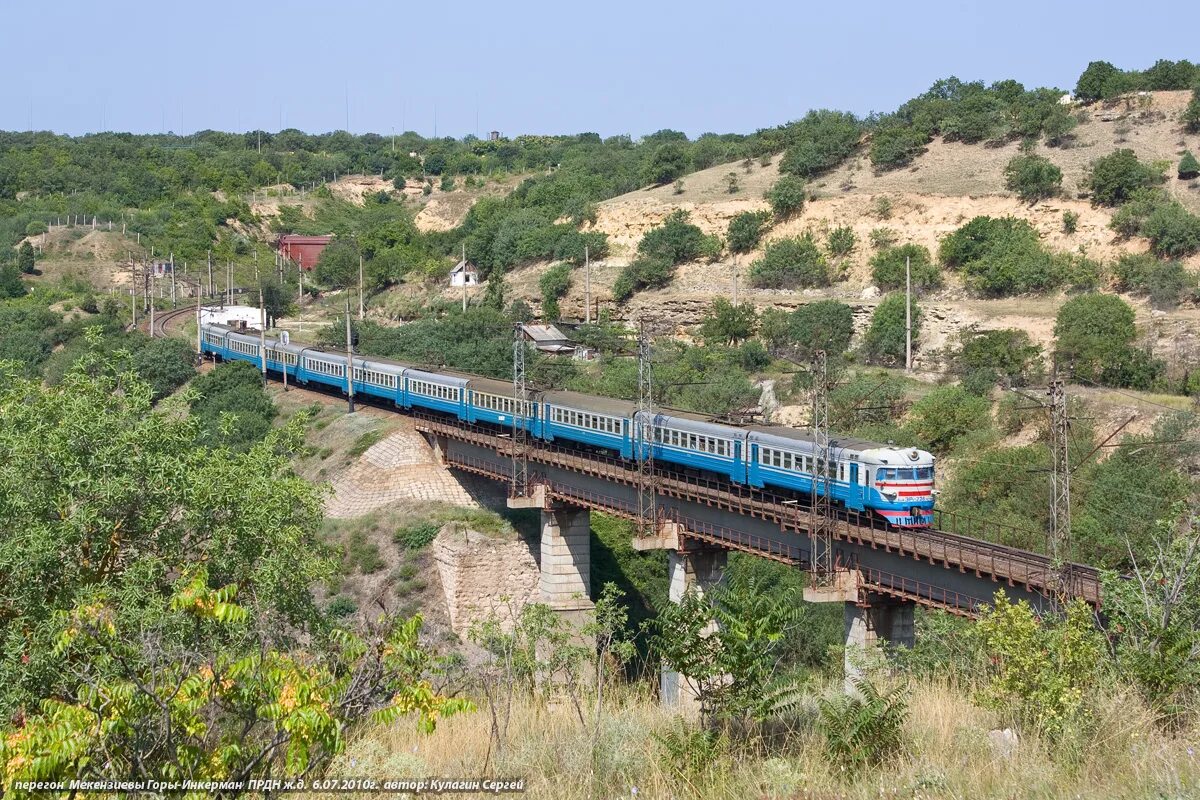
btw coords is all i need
(888, 268)
(787, 196)
(1032, 177)
(675, 241)
(276, 299)
(157, 592)
(338, 264)
(746, 230)
(1100, 81)
(35, 228)
(25, 258)
(819, 142)
(10, 281)
(884, 340)
(642, 273)
(841, 241)
(1094, 334)
(940, 419)
(894, 146)
(230, 406)
(790, 264)
(1115, 178)
(1191, 114)
(727, 324)
(553, 285)
(1008, 355)
(1173, 231)
(1189, 167)
(165, 364)
(1003, 256)
(666, 163)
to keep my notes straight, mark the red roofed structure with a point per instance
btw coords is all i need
(304, 250)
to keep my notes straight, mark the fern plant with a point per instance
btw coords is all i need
(864, 727)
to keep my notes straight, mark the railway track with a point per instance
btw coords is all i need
(164, 320)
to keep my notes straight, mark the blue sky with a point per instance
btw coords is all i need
(538, 67)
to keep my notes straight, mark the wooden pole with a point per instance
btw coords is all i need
(349, 361)
(360, 286)
(907, 316)
(587, 284)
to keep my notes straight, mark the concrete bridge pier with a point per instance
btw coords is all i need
(698, 571)
(870, 620)
(565, 581)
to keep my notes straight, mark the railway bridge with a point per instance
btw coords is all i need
(881, 573)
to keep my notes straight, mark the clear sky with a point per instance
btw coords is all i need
(538, 67)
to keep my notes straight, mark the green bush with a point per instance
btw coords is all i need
(940, 419)
(665, 164)
(675, 241)
(1191, 114)
(1002, 256)
(165, 364)
(1006, 355)
(888, 267)
(884, 340)
(795, 263)
(231, 405)
(882, 238)
(1163, 281)
(787, 196)
(822, 325)
(342, 606)
(1189, 167)
(25, 258)
(1070, 222)
(747, 229)
(1173, 231)
(727, 324)
(841, 241)
(553, 285)
(416, 535)
(575, 245)
(1032, 177)
(819, 142)
(642, 273)
(35, 228)
(1094, 336)
(1102, 81)
(1113, 179)
(361, 554)
(896, 146)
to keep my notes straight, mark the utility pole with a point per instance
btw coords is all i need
(644, 418)
(464, 275)
(587, 285)
(520, 430)
(211, 291)
(133, 288)
(300, 298)
(820, 504)
(349, 361)
(262, 325)
(229, 280)
(199, 334)
(172, 280)
(735, 297)
(907, 316)
(1060, 490)
(360, 286)
(152, 271)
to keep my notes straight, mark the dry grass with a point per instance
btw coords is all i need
(949, 756)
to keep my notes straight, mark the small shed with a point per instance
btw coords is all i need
(304, 250)
(464, 274)
(548, 339)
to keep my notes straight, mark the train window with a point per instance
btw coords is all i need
(924, 473)
(883, 474)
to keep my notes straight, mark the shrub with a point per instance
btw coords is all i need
(864, 727)
(790, 264)
(747, 229)
(1007, 355)
(841, 241)
(35, 228)
(882, 238)
(236, 390)
(884, 340)
(416, 535)
(823, 325)
(1113, 179)
(165, 364)
(642, 273)
(819, 142)
(1189, 167)
(1032, 177)
(888, 266)
(674, 241)
(553, 285)
(361, 554)
(446, 184)
(1173, 231)
(1191, 114)
(575, 245)
(1163, 281)
(1102, 81)
(940, 419)
(25, 258)
(786, 196)
(342, 606)
(896, 146)
(1094, 336)
(1070, 222)
(881, 207)
(666, 163)
(1002, 256)
(727, 324)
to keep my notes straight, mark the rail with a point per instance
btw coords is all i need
(944, 548)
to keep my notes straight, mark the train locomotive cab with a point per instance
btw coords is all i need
(899, 485)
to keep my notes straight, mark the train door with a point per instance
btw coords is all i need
(854, 492)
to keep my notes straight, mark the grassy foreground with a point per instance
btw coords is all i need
(948, 755)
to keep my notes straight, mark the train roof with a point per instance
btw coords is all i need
(697, 423)
(782, 432)
(590, 402)
(493, 386)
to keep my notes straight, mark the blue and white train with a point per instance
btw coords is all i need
(895, 483)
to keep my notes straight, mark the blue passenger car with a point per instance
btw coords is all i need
(436, 392)
(492, 401)
(692, 441)
(597, 421)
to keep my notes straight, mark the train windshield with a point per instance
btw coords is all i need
(904, 474)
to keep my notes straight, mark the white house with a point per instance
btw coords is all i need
(464, 274)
